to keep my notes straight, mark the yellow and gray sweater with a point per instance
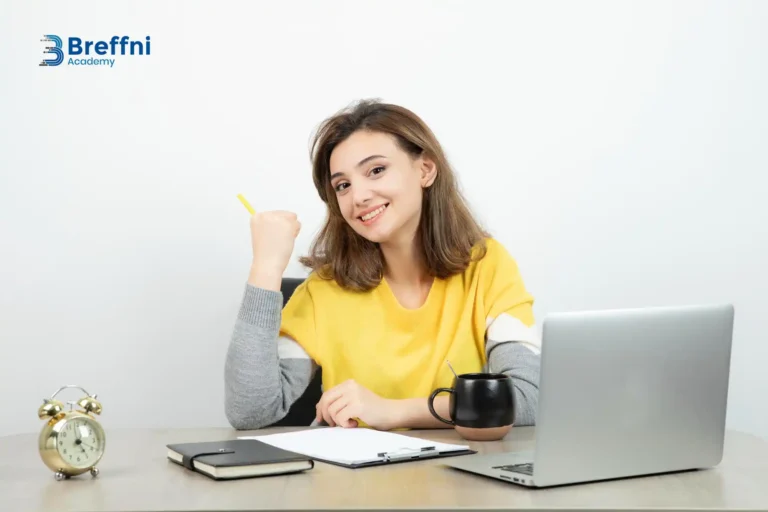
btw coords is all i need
(479, 320)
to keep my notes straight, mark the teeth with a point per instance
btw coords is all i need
(374, 213)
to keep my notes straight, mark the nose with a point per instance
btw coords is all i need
(361, 195)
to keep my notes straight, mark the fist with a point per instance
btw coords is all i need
(273, 235)
(348, 402)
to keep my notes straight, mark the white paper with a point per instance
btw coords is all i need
(350, 445)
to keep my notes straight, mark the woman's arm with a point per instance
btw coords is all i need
(518, 360)
(414, 413)
(512, 344)
(264, 373)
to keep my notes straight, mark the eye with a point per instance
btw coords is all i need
(378, 170)
(340, 186)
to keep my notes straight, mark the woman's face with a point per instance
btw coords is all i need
(379, 186)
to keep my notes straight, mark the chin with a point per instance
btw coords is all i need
(373, 235)
(377, 234)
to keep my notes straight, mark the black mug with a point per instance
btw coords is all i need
(482, 405)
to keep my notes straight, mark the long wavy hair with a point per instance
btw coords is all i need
(450, 237)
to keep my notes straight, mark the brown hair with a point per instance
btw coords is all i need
(449, 233)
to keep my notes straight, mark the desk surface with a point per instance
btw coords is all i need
(136, 476)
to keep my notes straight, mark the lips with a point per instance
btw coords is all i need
(371, 214)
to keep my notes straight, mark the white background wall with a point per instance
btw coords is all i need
(618, 149)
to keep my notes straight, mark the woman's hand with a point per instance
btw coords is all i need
(344, 404)
(273, 235)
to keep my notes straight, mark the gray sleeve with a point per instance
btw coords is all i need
(264, 373)
(522, 364)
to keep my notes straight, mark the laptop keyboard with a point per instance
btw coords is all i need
(525, 469)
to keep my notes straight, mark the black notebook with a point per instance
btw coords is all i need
(238, 458)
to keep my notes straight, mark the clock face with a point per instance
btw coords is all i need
(80, 442)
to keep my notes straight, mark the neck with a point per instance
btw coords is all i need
(404, 262)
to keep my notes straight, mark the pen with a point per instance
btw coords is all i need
(246, 204)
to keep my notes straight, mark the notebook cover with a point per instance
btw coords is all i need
(234, 453)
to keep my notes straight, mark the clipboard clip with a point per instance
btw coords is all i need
(407, 454)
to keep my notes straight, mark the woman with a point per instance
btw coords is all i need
(403, 279)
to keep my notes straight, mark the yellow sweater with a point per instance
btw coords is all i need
(401, 353)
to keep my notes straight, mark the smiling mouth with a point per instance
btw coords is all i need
(375, 213)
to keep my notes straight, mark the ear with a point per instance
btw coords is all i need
(428, 170)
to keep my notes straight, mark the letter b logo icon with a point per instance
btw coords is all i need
(58, 53)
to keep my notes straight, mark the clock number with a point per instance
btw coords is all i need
(63, 434)
(78, 459)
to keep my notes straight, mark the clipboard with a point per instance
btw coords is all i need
(360, 447)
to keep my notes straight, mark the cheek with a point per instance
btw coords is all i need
(396, 190)
(407, 196)
(345, 205)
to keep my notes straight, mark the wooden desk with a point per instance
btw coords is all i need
(136, 476)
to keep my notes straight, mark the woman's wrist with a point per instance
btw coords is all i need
(414, 413)
(265, 277)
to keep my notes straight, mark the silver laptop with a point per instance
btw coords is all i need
(624, 393)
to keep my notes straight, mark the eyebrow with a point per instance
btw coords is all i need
(360, 163)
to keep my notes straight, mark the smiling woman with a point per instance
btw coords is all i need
(403, 278)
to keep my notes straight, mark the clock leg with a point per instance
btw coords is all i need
(60, 476)
(94, 472)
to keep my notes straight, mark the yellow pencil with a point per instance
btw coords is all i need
(245, 203)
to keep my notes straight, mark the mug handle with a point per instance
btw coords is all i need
(431, 404)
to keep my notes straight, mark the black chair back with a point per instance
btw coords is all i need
(302, 412)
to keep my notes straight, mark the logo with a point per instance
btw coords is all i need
(55, 49)
(80, 52)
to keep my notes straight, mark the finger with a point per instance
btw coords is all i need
(337, 405)
(319, 416)
(327, 417)
(326, 400)
(332, 394)
(325, 407)
(322, 414)
(286, 214)
(345, 417)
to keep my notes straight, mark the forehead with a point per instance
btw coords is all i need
(360, 145)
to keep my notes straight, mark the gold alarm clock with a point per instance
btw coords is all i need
(71, 442)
